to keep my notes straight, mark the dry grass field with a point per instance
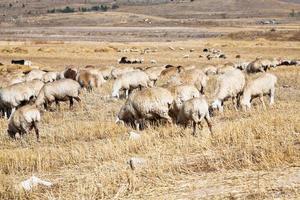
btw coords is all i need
(252, 155)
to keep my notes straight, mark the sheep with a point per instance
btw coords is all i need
(153, 73)
(210, 70)
(193, 76)
(263, 85)
(115, 73)
(241, 65)
(50, 77)
(130, 81)
(23, 120)
(35, 74)
(70, 73)
(230, 85)
(18, 94)
(61, 90)
(149, 103)
(195, 110)
(222, 69)
(89, 79)
(181, 94)
(17, 80)
(258, 65)
(106, 71)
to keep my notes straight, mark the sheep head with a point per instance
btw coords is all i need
(217, 105)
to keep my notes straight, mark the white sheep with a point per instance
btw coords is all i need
(195, 110)
(18, 94)
(259, 65)
(210, 70)
(263, 85)
(230, 85)
(61, 90)
(106, 71)
(35, 74)
(24, 120)
(149, 103)
(193, 77)
(130, 81)
(154, 73)
(182, 93)
(50, 77)
(115, 73)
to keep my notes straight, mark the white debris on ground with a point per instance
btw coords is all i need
(33, 182)
(136, 162)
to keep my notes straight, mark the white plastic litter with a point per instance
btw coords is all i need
(33, 182)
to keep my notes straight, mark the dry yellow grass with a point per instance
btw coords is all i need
(252, 155)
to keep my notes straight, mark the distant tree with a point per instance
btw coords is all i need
(10, 5)
(68, 9)
(104, 8)
(115, 6)
(293, 13)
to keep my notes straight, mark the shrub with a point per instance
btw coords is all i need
(115, 6)
(68, 9)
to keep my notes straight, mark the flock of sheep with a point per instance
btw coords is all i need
(174, 94)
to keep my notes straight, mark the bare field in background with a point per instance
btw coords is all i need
(253, 155)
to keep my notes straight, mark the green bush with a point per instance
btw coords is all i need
(68, 9)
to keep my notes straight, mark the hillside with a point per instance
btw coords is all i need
(20, 13)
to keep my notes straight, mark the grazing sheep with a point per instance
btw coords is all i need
(87, 80)
(153, 61)
(18, 94)
(70, 73)
(130, 81)
(23, 120)
(263, 85)
(149, 103)
(50, 77)
(193, 76)
(195, 110)
(230, 85)
(210, 70)
(241, 65)
(154, 73)
(17, 80)
(222, 69)
(258, 65)
(181, 93)
(115, 73)
(35, 74)
(61, 90)
(90, 78)
(106, 71)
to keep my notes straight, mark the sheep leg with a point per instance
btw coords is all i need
(202, 90)
(57, 104)
(272, 95)
(71, 102)
(261, 98)
(127, 93)
(35, 126)
(234, 102)
(200, 125)
(77, 99)
(209, 123)
(137, 124)
(194, 128)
